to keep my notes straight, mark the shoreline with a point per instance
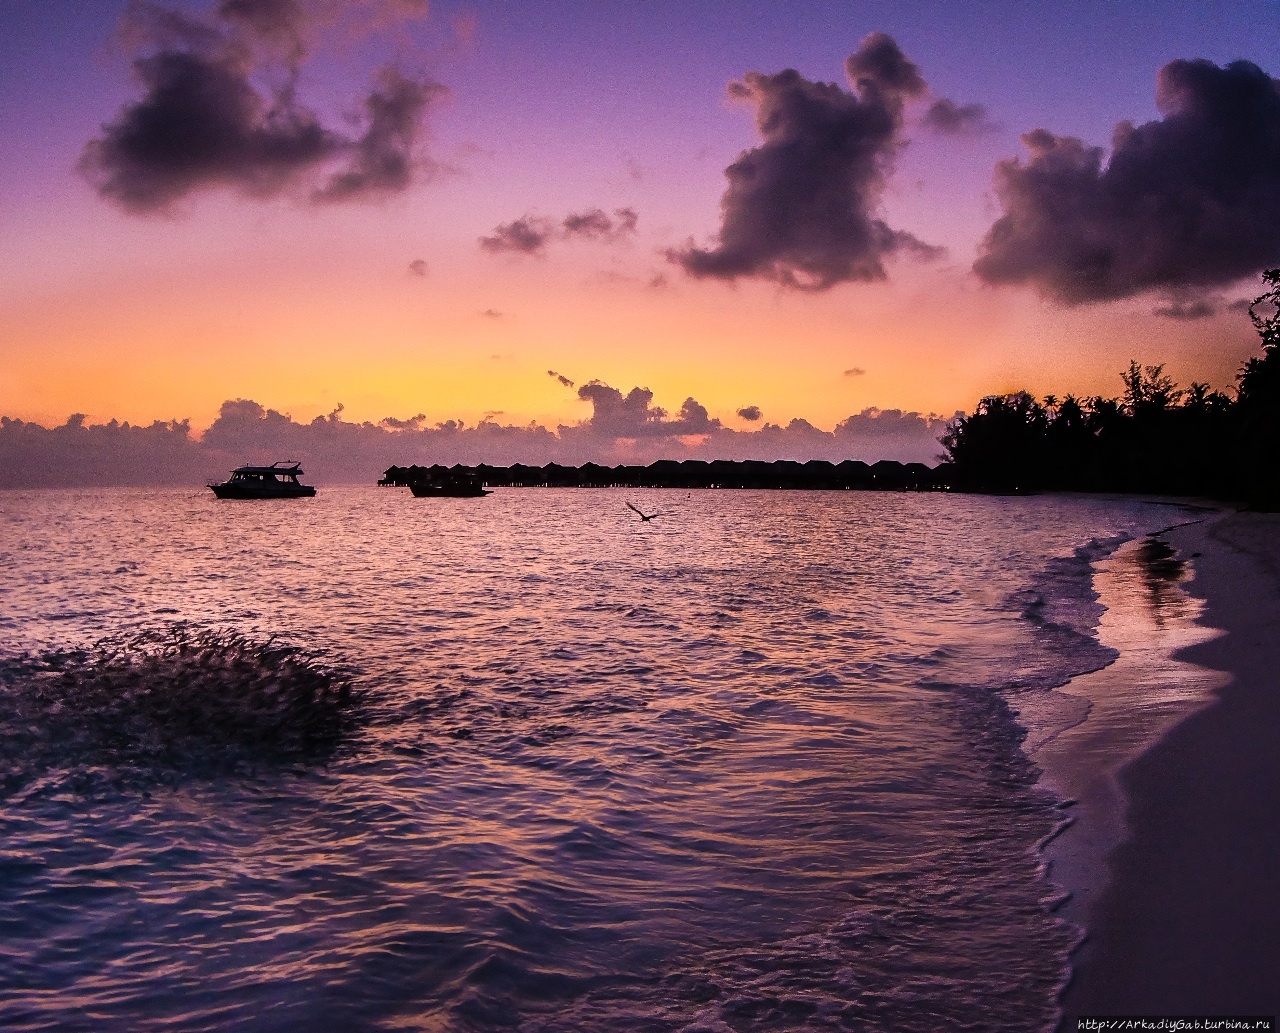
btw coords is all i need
(1125, 706)
(1173, 876)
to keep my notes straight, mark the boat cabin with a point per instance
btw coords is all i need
(276, 473)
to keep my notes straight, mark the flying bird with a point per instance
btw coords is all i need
(643, 519)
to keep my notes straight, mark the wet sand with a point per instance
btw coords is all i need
(1188, 922)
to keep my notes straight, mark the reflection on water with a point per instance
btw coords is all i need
(742, 768)
(1163, 573)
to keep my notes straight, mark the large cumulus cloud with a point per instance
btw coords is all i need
(204, 119)
(801, 208)
(1189, 201)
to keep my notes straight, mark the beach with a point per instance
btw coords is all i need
(1188, 921)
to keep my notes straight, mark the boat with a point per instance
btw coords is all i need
(277, 481)
(450, 486)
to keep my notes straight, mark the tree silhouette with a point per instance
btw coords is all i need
(1258, 404)
(1155, 437)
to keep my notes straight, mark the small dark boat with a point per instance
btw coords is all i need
(277, 481)
(452, 486)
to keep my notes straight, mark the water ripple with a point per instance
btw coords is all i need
(748, 770)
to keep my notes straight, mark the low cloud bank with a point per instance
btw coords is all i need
(623, 428)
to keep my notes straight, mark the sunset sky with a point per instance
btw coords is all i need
(424, 211)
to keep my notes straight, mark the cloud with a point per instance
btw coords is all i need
(382, 161)
(800, 209)
(465, 27)
(491, 313)
(418, 267)
(633, 415)
(1186, 311)
(595, 224)
(202, 121)
(527, 235)
(295, 24)
(855, 372)
(283, 22)
(412, 423)
(81, 454)
(951, 119)
(1191, 200)
(636, 171)
(560, 377)
(530, 234)
(873, 423)
(750, 412)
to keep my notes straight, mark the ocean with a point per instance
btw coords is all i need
(370, 762)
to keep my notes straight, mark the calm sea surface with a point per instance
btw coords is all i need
(750, 766)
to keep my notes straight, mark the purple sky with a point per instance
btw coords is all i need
(595, 147)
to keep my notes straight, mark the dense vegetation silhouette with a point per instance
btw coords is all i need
(1155, 438)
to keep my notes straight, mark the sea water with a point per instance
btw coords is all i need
(761, 763)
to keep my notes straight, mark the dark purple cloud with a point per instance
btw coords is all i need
(952, 119)
(750, 413)
(855, 371)
(418, 267)
(382, 161)
(595, 224)
(527, 235)
(800, 209)
(1189, 201)
(203, 122)
(530, 234)
(412, 423)
(565, 381)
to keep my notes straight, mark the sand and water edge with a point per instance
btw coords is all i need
(1172, 785)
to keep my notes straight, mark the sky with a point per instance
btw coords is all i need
(520, 213)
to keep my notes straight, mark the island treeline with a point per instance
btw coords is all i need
(1154, 438)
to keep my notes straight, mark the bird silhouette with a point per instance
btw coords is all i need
(643, 518)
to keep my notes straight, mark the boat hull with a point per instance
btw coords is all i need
(444, 491)
(245, 491)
